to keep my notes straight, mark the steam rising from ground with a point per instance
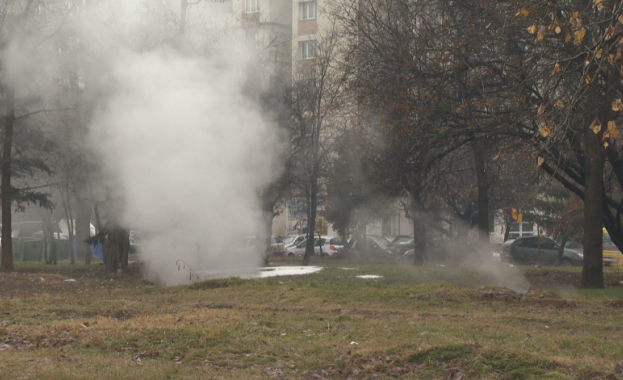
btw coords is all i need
(479, 256)
(189, 153)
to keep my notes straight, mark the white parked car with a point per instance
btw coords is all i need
(325, 245)
(291, 241)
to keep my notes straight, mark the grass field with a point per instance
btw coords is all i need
(414, 323)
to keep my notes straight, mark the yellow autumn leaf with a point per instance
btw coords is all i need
(559, 103)
(579, 36)
(540, 161)
(541, 33)
(617, 105)
(558, 30)
(504, 72)
(595, 126)
(613, 132)
(524, 12)
(598, 54)
(545, 131)
(568, 38)
(617, 57)
(609, 33)
(606, 144)
(611, 58)
(541, 109)
(597, 3)
(556, 69)
(621, 40)
(531, 29)
(587, 79)
(621, 19)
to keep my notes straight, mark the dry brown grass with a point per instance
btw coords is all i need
(420, 323)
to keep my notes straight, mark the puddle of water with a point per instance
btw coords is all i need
(369, 276)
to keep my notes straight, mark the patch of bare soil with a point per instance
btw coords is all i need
(498, 294)
(544, 298)
(531, 298)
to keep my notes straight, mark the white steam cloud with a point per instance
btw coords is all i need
(189, 152)
(184, 150)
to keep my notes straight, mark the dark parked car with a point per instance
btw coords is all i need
(401, 245)
(525, 250)
(372, 246)
(436, 249)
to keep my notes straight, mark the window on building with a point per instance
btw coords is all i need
(308, 125)
(514, 227)
(251, 6)
(308, 10)
(527, 228)
(308, 49)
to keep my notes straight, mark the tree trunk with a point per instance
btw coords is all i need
(419, 232)
(311, 220)
(538, 232)
(98, 219)
(268, 232)
(592, 270)
(69, 218)
(507, 226)
(482, 183)
(48, 233)
(313, 203)
(83, 230)
(116, 249)
(561, 249)
(183, 13)
(44, 238)
(5, 186)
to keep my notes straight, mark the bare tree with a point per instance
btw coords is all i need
(319, 97)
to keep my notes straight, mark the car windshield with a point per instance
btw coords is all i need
(573, 245)
(379, 241)
(336, 241)
(509, 242)
(289, 239)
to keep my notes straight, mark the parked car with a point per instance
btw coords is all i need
(375, 246)
(611, 254)
(436, 249)
(324, 245)
(299, 249)
(525, 250)
(401, 245)
(290, 241)
(395, 239)
(336, 245)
